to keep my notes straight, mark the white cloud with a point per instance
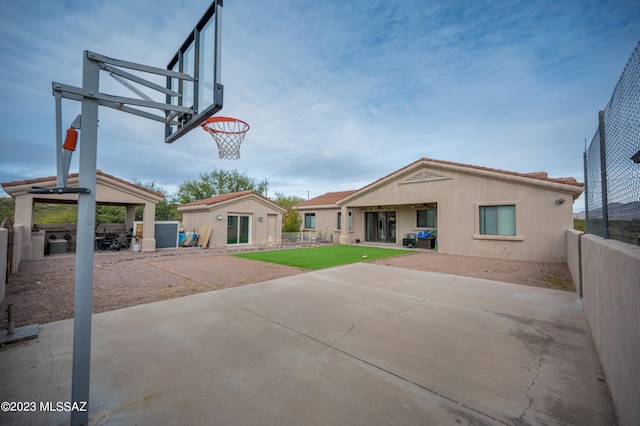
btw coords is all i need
(337, 93)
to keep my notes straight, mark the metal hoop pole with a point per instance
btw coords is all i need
(84, 246)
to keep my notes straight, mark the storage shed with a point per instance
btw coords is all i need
(238, 218)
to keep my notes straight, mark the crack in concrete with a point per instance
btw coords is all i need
(46, 385)
(420, 300)
(369, 363)
(519, 421)
(382, 315)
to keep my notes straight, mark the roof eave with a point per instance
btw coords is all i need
(317, 206)
(224, 203)
(574, 189)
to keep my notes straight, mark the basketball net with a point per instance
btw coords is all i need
(228, 134)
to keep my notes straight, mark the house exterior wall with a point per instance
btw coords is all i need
(541, 222)
(326, 222)
(260, 234)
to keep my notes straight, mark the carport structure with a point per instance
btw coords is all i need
(110, 190)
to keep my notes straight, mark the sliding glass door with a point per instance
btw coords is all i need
(380, 227)
(238, 229)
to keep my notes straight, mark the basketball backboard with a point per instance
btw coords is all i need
(199, 56)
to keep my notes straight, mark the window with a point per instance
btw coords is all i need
(426, 218)
(380, 227)
(349, 219)
(310, 221)
(238, 229)
(498, 220)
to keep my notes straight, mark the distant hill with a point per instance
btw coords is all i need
(617, 211)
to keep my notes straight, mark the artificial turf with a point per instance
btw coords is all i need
(321, 257)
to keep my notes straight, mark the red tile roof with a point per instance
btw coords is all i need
(218, 198)
(226, 197)
(333, 197)
(533, 175)
(75, 175)
(326, 199)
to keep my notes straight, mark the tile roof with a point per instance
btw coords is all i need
(533, 175)
(333, 197)
(75, 175)
(226, 197)
(326, 199)
(218, 199)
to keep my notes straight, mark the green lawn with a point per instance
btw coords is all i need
(323, 256)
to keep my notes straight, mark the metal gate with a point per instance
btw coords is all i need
(8, 225)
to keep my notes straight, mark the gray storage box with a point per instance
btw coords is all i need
(57, 246)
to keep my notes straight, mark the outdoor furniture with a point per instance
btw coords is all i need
(409, 240)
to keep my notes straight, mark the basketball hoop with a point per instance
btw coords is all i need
(228, 134)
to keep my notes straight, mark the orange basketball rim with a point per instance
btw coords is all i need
(228, 134)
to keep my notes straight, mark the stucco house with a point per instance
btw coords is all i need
(464, 209)
(238, 218)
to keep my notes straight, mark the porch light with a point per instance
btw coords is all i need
(219, 217)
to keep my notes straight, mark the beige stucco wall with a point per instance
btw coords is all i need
(611, 299)
(326, 222)
(260, 232)
(574, 257)
(541, 222)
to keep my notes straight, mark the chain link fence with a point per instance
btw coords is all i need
(612, 162)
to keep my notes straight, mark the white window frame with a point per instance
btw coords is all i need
(250, 230)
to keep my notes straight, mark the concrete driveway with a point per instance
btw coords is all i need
(361, 344)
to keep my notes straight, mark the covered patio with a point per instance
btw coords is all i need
(110, 190)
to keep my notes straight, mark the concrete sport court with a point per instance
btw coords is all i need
(361, 344)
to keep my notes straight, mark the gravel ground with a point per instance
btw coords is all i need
(547, 275)
(42, 290)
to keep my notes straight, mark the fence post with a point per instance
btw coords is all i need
(586, 191)
(603, 173)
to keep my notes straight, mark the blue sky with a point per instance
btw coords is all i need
(337, 93)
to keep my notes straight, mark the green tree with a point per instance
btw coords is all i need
(291, 220)
(7, 208)
(110, 214)
(217, 182)
(166, 209)
(55, 213)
